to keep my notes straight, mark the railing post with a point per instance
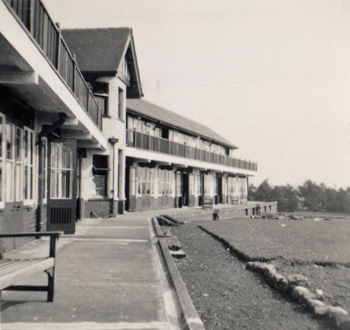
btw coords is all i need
(31, 17)
(74, 73)
(134, 138)
(88, 100)
(59, 37)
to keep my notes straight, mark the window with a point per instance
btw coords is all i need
(191, 185)
(102, 102)
(146, 181)
(207, 185)
(101, 95)
(120, 104)
(165, 182)
(100, 174)
(28, 147)
(44, 153)
(170, 182)
(132, 181)
(178, 184)
(161, 190)
(2, 186)
(10, 197)
(199, 184)
(152, 181)
(124, 69)
(216, 192)
(19, 164)
(61, 171)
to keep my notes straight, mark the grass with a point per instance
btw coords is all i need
(324, 242)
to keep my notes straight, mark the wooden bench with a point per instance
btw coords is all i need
(13, 271)
(208, 202)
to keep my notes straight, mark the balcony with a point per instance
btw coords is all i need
(34, 19)
(152, 143)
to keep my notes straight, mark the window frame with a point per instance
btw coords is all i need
(121, 100)
(104, 99)
(99, 172)
(31, 168)
(2, 162)
(59, 176)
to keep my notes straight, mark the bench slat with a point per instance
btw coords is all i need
(26, 272)
(17, 264)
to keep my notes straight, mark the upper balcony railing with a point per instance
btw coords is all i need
(35, 19)
(152, 143)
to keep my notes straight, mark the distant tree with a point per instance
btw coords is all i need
(315, 197)
(313, 194)
(287, 198)
(264, 191)
(342, 203)
(331, 200)
(251, 192)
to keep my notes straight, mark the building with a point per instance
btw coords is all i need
(161, 160)
(49, 117)
(173, 161)
(77, 139)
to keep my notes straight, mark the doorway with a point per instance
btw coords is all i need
(218, 189)
(185, 188)
(61, 206)
(201, 190)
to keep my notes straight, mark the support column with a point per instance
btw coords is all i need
(115, 180)
(121, 181)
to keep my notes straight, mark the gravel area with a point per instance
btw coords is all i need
(227, 296)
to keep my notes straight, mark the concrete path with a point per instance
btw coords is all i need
(108, 276)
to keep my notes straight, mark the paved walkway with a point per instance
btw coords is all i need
(108, 276)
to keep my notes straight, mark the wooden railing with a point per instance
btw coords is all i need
(35, 19)
(152, 143)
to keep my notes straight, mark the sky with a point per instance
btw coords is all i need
(272, 76)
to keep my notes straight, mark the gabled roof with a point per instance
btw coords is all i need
(149, 110)
(100, 51)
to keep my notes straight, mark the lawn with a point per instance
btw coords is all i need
(321, 242)
(318, 250)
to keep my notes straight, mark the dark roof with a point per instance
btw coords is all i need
(152, 111)
(97, 50)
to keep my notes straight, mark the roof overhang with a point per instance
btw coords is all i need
(178, 128)
(30, 77)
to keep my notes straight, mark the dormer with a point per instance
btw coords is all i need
(106, 53)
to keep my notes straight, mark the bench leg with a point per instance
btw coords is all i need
(50, 285)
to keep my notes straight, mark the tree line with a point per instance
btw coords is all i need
(309, 196)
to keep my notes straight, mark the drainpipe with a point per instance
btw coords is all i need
(41, 177)
(113, 141)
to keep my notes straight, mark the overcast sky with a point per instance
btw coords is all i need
(271, 76)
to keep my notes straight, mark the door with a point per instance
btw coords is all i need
(61, 206)
(130, 189)
(201, 190)
(218, 197)
(185, 186)
(179, 191)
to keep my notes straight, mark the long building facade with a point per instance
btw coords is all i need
(77, 138)
(161, 159)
